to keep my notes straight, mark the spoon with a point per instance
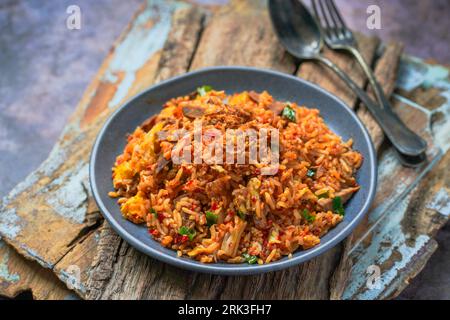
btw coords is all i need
(300, 34)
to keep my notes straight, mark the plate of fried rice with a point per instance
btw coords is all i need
(233, 170)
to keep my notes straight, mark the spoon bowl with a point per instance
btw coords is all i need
(296, 29)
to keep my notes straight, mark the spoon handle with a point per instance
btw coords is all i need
(404, 140)
(379, 93)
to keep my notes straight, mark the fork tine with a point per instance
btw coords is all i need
(319, 17)
(317, 13)
(331, 8)
(329, 27)
(334, 10)
(345, 30)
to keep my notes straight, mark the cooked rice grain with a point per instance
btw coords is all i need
(253, 218)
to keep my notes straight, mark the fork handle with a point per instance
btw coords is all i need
(404, 140)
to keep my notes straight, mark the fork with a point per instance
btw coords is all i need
(338, 37)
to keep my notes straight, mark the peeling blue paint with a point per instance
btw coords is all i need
(411, 73)
(388, 164)
(35, 256)
(69, 201)
(72, 280)
(441, 127)
(441, 202)
(388, 232)
(19, 188)
(376, 215)
(414, 72)
(97, 237)
(71, 296)
(435, 74)
(4, 271)
(9, 223)
(140, 44)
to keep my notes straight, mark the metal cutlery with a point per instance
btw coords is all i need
(302, 37)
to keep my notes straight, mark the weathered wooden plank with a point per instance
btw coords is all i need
(241, 34)
(181, 43)
(113, 254)
(401, 239)
(52, 210)
(395, 180)
(74, 268)
(18, 275)
(389, 61)
(239, 23)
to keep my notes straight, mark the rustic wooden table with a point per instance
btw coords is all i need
(51, 217)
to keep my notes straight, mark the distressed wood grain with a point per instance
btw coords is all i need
(399, 238)
(390, 60)
(241, 34)
(18, 275)
(52, 211)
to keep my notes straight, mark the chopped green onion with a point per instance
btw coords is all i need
(308, 216)
(289, 113)
(250, 259)
(185, 231)
(310, 173)
(338, 206)
(323, 195)
(203, 90)
(241, 215)
(153, 211)
(211, 218)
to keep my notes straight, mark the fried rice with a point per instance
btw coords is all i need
(232, 212)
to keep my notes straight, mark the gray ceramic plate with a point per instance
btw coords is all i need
(111, 141)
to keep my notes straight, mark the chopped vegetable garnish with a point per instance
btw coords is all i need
(337, 206)
(185, 231)
(323, 195)
(289, 113)
(211, 218)
(250, 259)
(308, 216)
(153, 211)
(241, 215)
(203, 90)
(310, 173)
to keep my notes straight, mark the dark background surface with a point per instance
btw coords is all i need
(45, 68)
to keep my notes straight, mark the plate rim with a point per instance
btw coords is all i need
(237, 269)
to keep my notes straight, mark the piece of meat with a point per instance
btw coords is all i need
(254, 96)
(345, 194)
(193, 95)
(193, 111)
(276, 107)
(149, 123)
(217, 187)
